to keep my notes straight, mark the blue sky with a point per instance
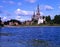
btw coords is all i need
(23, 9)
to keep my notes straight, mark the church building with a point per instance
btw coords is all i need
(37, 16)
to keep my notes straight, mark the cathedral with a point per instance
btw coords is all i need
(37, 16)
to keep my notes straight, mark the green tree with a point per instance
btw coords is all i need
(48, 19)
(13, 20)
(43, 17)
(57, 19)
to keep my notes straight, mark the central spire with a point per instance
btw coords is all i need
(38, 8)
(37, 13)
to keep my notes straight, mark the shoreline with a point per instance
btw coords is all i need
(31, 26)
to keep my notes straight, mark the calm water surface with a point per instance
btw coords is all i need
(30, 37)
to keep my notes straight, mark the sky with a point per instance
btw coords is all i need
(23, 9)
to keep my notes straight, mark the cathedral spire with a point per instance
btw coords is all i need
(37, 13)
(38, 10)
(34, 14)
(33, 17)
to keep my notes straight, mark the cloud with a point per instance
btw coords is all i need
(4, 1)
(11, 2)
(31, 1)
(8, 2)
(19, 3)
(4, 18)
(1, 6)
(23, 12)
(59, 6)
(1, 9)
(47, 7)
(18, 17)
(41, 13)
(7, 13)
(1, 12)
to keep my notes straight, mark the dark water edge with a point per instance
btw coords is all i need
(14, 39)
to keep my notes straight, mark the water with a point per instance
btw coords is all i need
(30, 37)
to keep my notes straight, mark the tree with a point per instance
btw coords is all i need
(6, 22)
(57, 19)
(43, 17)
(13, 20)
(48, 19)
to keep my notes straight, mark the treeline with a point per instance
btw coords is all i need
(49, 21)
(56, 19)
(13, 21)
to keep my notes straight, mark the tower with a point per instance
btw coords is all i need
(33, 17)
(37, 18)
(38, 10)
(37, 13)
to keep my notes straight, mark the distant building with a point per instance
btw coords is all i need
(28, 22)
(14, 22)
(37, 17)
(11, 23)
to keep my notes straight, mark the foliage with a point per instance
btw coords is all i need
(48, 19)
(12, 20)
(57, 19)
